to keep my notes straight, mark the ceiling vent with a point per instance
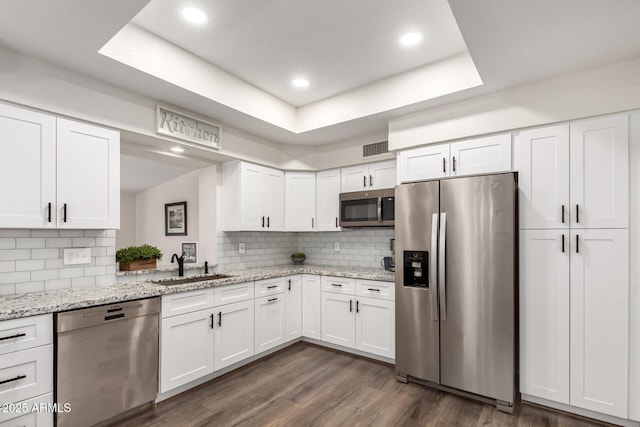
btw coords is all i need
(375, 148)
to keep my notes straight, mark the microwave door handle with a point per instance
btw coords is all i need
(433, 261)
(379, 208)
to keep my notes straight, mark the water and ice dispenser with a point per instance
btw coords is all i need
(416, 268)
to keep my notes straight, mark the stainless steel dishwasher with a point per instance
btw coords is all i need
(106, 360)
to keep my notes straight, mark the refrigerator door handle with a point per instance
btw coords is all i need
(433, 267)
(442, 286)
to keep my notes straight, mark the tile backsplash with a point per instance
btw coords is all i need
(32, 260)
(262, 249)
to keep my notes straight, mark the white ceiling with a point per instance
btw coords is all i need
(138, 174)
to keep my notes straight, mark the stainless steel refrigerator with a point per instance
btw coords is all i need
(456, 254)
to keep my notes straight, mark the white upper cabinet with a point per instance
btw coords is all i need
(27, 168)
(88, 176)
(543, 179)
(253, 197)
(422, 163)
(575, 175)
(371, 176)
(300, 201)
(469, 157)
(327, 200)
(67, 173)
(600, 172)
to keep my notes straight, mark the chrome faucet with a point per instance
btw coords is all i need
(180, 260)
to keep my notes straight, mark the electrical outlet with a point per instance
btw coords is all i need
(241, 248)
(336, 246)
(77, 256)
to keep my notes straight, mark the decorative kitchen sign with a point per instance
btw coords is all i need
(190, 252)
(182, 126)
(175, 219)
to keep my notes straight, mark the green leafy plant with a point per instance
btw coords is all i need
(298, 255)
(132, 253)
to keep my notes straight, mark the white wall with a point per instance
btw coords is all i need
(126, 235)
(150, 214)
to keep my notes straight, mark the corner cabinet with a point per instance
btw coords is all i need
(300, 201)
(65, 173)
(253, 197)
(327, 200)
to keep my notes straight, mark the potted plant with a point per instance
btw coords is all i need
(298, 257)
(138, 257)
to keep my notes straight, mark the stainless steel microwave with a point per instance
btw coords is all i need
(374, 208)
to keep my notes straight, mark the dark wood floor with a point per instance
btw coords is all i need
(307, 385)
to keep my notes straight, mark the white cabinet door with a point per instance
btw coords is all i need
(270, 319)
(233, 326)
(88, 172)
(543, 178)
(186, 348)
(327, 200)
(375, 326)
(600, 320)
(382, 174)
(355, 178)
(300, 196)
(424, 163)
(600, 172)
(274, 199)
(481, 155)
(40, 418)
(338, 319)
(311, 306)
(544, 314)
(293, 306)
(27, 168)
(252, 196)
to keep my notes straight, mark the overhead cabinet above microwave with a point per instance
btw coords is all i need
(57, 173)
(369, 176)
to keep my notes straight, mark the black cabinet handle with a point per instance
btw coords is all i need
(219, 318)
(373, 290)
(350, 306)
(563, 243)
(289, 284)
(272, 299)
(311, 222)
(336, 222)
(336, 284)
(563, 214)
(18, 378)
(454, 163)
(272, 287)
(577, 243)
(577, 214)
(357, 306)
(444, 165)
(64, 210)
(268, 221)
(13, 336)
(364, 181)
(211, 322)
(49, 212)
(262, 222)
(370, 180)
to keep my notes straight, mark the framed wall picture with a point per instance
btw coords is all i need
(175, 219)
(190, 251)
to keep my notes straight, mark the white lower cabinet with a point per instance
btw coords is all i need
(186, 348)
(270, 319)
(233, 326)
(311, 306)
(22, 415)
(375, 326)
(293, 306)
(338, 319)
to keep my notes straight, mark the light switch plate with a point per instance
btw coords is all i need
(241, 248)
(77, 256)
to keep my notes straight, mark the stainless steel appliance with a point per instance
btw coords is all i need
(456, 285)
(106, 360)
(374, 208)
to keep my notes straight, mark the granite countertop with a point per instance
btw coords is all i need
(34, 303)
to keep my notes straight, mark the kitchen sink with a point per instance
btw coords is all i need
(183, 280)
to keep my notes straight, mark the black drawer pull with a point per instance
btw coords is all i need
(272, 299)
(271, 287)
(18, 378)
(336, 284)
(13, 336)
(114, 316)
(373, 290)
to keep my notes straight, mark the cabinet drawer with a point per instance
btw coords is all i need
(270, 286)
(376, 289)
(234, 293)
(31, 372)
(20, 415)
(187, 302)
(340, 285)
(24, 333)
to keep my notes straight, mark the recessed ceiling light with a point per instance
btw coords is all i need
(410, 39)
(177, 149)
(300, 82)
(194, 15)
